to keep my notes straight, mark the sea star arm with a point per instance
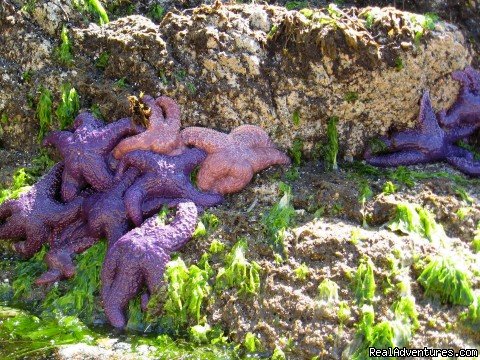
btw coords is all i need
(466, 108)
(251, 136)
(467, 166)
(206, 139)
(71, 184)
(424, 143)
(134, 197)
(58, 139)
(117, 130)
(460, 132)
(11, 226)
(149, 246)
(37, 234)
(141, 159)
(98, 174)
(190, 159)
(63, 213)
(64, 243)
(86, 120)
(170, 110)
(407, 157)
(156, 116)
(222, 175)
(266, 157)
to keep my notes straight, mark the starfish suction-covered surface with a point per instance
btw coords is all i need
(232, 158)
(85, 152)
(163, 177)
(140, 257)
(428, 142)
(466, 108)
(35, 214)
(163, 131)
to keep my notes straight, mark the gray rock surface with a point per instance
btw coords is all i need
(237, 64)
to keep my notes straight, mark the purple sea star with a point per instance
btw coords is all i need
(104, 215)
(36, 213)
(428, 142)
(140, 257)
(86, 150)
(466, 109)
(163, 176)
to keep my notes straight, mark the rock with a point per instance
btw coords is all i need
(90, 352)
(258, 64)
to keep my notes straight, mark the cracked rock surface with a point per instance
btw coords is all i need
(236, 64)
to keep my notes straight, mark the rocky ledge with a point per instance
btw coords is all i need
(287, 71)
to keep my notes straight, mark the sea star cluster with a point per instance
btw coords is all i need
(112, 181)
(436, 136)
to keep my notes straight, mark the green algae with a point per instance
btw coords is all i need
(443, 279)
(413, 219)
(78, 297)
(364, 281)
(25, 335)
(279, 219)
(239, 272)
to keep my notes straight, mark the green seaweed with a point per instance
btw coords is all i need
(167, 349)
(79, 296)
(44, 112)
(399, 65)
(69, 106)
(413, 219)
(238, 272)
(121, 83)
(27, 76)
(471, 317)
(187, 291)
(102, 60)
(25, 274)
(296, 151)
(386, 334)
(351, 96)
(278, 354)
(462, 193)
(279, 219)
(296, 5)
(207, 224)
(302, 272)
(365, 193)
(471, 148)
(328, 292)
(442, 278)
(216, 246)
(29, 6)
(476, 239)
(96, 8)
(29, 335)
(364, 281)
(64, 51)
(296, 117)
(23, 178)
(377, 146)
(332, 147)
(389, 188)
(156, 12)
(251, 343)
